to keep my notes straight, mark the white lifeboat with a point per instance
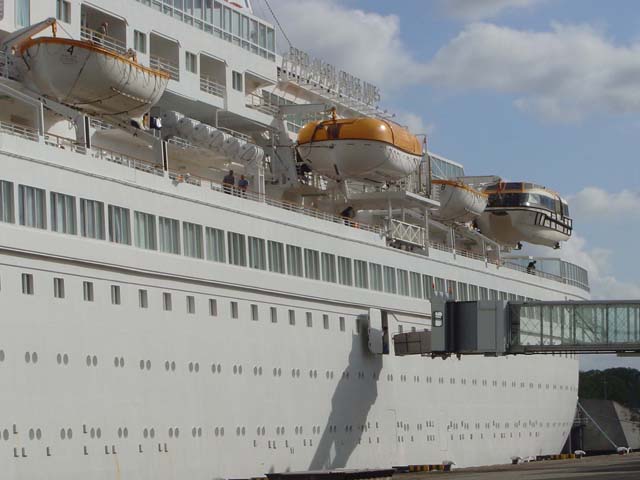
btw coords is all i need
(359, 148)
(523, 212)
(458, 201)
(91, 78)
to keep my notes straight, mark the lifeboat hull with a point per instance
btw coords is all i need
(362, 159)
(459, 202)
(509, 227)
(92, 78)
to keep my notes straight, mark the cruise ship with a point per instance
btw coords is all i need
(206, 248)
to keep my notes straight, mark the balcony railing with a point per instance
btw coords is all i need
(164, 65)
(211, 87)
(408, 233)
(106, 41)
(258, 103)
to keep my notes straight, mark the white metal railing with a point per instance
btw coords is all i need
(19, 131)
(407, 233)
(259, 103)
(211, 87)
(164, 65)
(126, 160)
(104, 40)
(402, 231)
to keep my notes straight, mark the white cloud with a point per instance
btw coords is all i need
(596, 203)
(482, 9)
(415, 123)
(366, 44)
(562, 73)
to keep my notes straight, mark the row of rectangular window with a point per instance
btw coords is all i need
(167, 302)
(209, 243)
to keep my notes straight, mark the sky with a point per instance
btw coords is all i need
(546, 91)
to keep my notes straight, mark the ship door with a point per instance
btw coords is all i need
(375, 331)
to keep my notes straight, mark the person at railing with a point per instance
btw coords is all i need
(103, 31)
(348, 214)
(531, 268)
(229, 182)
(243, 183)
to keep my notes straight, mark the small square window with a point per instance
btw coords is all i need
(234, 309)
(237, 81)
(254, 312)
(58, 287)
(87, 290)
(63, 11)
(191, 304)
(27, 284)
(115, 295)
(139, 41)
(309, 319)
(143, 298)
(274, 315)
(166, 302)
(342, 327)
(213, 307)
(191, 62)
(292, 317)
(325, 321)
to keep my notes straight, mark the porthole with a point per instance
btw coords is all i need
(148, 364)
(39, 434)
(222, 431)
(177, 432)
(216, 431)
(1, 355)
(193, 432)
(145, 433)
(275, 372)
(238, 431)
(191, 366)
(152, 433)
(263, 430)
(32, 434)
(92, 432)
(244, 431)
(260, 371)
(116, 362)
(199, 431)
(141, 364)
(125, 432)
(27, 357)
(59, 359)
(88, 360)
(69, 433)
(219, 368)
(167, 365)
(258, 431)
(65, 359)
(170, 432)
(240, 370)
(34, 357)
(119, 432)
(279, 372)
(197, 367)
(63, 434)
(121, 362)
(98, 432)
(255, 371)
(213, 368)
(95, 361)
(173, 366)
(235, 369)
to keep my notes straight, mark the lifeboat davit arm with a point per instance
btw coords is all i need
(16, 38)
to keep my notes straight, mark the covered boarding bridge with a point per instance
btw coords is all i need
(496, 327)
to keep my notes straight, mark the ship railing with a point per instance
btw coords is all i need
(19, 131)
(470, 254)
(256, 102)
(64, 143)
(105, 41)
(407, 233)
(164, 65)
(126, 160)
(440, 246)
(537, 273)
(236, 134)
(212, 87)
(99, 124)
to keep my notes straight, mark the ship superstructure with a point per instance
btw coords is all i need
(161, 320)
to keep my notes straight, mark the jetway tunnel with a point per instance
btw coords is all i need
(495, 327)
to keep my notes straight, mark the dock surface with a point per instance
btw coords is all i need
(605, 467)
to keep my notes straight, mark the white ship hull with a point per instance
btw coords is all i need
(287, 397)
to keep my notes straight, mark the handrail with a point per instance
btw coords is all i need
(257, 102)
(155, 169)
(106, 41)
(212, 87)
(165, 65)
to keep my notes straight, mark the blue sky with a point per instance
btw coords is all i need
(540, 90)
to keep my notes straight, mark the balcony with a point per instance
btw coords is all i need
(262, 105)
(102, 40)
(164, 65)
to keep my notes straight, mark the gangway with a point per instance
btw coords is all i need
(496, 327)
